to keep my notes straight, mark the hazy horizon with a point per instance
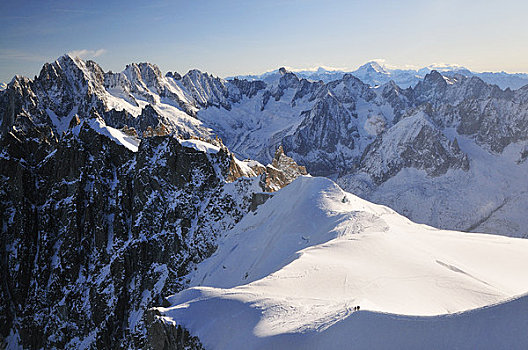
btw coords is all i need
(240, 38)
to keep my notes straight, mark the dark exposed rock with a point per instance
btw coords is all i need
(282, 171)
(249, 88)
(259, 199)
(165, 336)
(209, 91)
(350, 89)
(70, 83)
(174, 75)
(315, 142)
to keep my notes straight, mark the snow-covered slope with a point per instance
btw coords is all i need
(449, 152)
(489, 197)
(290, 276)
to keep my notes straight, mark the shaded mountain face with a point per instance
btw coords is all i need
(93, 233)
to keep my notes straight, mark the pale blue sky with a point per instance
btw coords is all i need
(240, 37)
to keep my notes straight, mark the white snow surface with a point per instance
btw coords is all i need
(98, 124)
(289, 276)
(200, 145)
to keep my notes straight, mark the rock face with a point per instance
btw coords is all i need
(97, 225)
(167, 336)
(93, 234)
(326, 136)
(495, 118)
(416, 143)
(282, 171)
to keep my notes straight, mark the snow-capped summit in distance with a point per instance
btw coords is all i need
(377, 73)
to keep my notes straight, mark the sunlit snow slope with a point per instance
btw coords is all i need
(290, 275)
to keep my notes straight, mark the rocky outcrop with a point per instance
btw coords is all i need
(208, 91)
(281, 172)
(167, 336)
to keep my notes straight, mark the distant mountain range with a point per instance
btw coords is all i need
(374, 73)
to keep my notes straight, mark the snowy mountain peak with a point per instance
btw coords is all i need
(122, 186)
(372, 73)
(149, 73)
(434, 77)
(70, 59)
(372, 67)
(144, 75)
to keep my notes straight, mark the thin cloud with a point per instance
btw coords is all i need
(85, 54)
(9, 54)
(75, 11)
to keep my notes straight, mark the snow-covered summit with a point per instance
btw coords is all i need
(372, 73)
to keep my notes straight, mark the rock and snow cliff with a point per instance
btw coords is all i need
(431, 152)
